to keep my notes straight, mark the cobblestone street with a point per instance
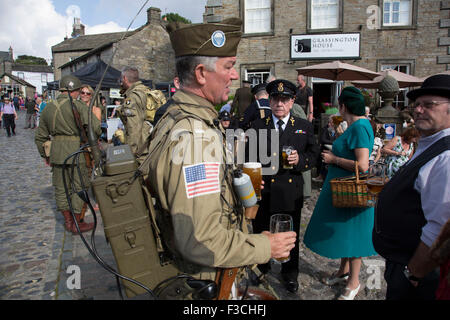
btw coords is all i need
(37, 255)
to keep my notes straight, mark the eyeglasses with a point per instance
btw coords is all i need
(428, 104)
(86, 93)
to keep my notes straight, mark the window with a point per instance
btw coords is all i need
(44, 78)
(397, 12)
(258, 16)
(257, 76)
(400, 101)
(324, 14)
(21, 75)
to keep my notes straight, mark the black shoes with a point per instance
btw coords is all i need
(290, 282)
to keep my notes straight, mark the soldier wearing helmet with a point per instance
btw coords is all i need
(57, 124)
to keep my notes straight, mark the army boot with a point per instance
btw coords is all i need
(69, 223)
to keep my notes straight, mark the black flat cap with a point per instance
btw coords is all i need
(281, 87)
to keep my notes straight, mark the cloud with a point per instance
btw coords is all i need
(32, 27)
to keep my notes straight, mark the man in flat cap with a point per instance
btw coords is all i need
(242, 99)
(204, 227)
(283, 190)
(414, 205)
(57, 122)
(260, 108)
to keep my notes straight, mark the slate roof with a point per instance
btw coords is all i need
(21, 81)
(31, 68)
(89, 42)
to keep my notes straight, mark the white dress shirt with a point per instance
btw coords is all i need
(285, 120)
(433, 184)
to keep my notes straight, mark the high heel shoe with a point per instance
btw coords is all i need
(351, 293)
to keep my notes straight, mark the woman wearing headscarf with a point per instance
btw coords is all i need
(345, 233)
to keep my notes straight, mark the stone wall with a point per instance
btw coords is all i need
(150, 52)
(425, 46)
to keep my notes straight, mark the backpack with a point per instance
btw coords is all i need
(155, 99)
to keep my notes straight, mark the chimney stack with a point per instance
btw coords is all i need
(11, 54)
(153, 15)
(78, 28)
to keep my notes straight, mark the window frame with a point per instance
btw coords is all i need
(413, 17)
(339, 28)
(410, 64)
(256, 34)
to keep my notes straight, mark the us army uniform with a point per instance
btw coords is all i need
(57, 121)
(206, 231)
(201, 223)
(132, 113)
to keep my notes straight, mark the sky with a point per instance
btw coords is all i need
(32, 27)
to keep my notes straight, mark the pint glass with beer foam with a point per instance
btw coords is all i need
(285, 152)
(254, 171)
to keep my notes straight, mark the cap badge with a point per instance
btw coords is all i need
(218, 39)
(280, 87)
(71, 84)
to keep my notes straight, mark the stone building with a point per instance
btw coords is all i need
(411, 36)
(146, 48)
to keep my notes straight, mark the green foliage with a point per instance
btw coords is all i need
(175, 17)
(24, 59)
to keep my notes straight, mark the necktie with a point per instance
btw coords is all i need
(280, 126)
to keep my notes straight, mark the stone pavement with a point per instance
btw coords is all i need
(39, 259)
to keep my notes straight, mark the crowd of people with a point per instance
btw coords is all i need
(205, 229)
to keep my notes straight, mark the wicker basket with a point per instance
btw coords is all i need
(350, 191)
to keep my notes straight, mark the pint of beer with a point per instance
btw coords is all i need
(281, 223)
(337, 120)
(254, 171)
(285, 152)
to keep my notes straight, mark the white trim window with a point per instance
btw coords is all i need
(324, 14)
(44, 78)
(400, 101)
(257, 76)
(397, 12)
(258, 16)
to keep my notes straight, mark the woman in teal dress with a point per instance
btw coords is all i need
(345, 233)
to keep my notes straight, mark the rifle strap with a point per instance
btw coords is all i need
(224, 280)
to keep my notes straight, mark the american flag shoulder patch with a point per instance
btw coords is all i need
(201, 179)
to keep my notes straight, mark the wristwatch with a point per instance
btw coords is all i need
(408, 274)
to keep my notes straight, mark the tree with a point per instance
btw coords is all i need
(174, 17)
(24, 59)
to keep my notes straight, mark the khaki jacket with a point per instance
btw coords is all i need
(57, 121)
(203, 230)
(132, 115)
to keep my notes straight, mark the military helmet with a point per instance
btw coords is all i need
(69, 83)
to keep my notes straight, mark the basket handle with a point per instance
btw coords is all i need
(356, 171)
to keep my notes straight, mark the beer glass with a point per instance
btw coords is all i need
(281, 223)
(285, 152)
(337, 120)
(376, 181)
(254, 171)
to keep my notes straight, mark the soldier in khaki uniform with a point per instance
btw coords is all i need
(201, 219)
(57, 123)
(133, 111)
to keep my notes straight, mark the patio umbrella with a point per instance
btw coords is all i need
(404, 80)
(337, 71)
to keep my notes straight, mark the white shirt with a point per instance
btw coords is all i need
(433, 184)
(285, 120)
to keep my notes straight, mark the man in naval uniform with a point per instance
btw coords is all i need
(283, 190)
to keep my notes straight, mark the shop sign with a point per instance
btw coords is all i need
(325, 46)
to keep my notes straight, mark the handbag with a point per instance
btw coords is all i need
(350, 191)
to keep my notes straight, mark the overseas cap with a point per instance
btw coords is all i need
(281, 87)
(69, 83)
(206, 39)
